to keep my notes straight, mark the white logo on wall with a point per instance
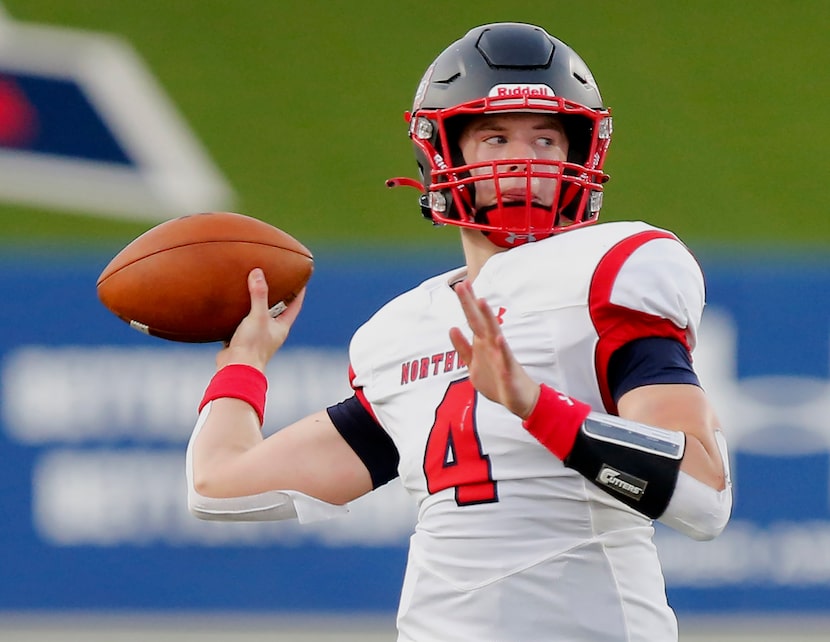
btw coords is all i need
(166, 172)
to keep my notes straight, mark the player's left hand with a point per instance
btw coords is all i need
(494, 370)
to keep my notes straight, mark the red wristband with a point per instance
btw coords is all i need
(238, 381)
(555, 420)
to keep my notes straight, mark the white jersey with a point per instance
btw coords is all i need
(510, 544)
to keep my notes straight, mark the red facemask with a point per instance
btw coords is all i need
(450, 186)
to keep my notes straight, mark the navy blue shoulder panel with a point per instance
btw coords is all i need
(648, 361)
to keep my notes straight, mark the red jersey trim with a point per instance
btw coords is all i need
(617, 325)
(361, 397)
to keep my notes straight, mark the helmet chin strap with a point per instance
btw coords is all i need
(536, 217)
(506, 215)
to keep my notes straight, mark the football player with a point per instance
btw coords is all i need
(539, 403)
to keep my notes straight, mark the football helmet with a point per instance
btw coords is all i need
(500, 68)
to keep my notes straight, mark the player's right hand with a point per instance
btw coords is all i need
(259, 335)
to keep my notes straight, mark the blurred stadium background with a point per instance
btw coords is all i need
(291, 111)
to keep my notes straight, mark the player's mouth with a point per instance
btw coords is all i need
(514, 196)
(517, 195)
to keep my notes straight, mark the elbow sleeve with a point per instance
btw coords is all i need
(698, 510)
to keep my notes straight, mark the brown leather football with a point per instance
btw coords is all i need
(186, 279)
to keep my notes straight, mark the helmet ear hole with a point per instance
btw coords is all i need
(453, 129)
(579, 131)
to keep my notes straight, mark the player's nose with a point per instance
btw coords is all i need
(517, 154)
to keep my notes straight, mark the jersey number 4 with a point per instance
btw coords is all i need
(453, 456)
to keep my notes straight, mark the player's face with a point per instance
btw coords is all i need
(522, 136)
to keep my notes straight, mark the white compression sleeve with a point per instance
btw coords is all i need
(698, 510)
(272, 505)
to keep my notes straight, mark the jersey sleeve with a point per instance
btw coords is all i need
(649, 361)
(647, 285)
(367, 438)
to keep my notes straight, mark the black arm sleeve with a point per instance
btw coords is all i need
(369, 440)
(646, 361)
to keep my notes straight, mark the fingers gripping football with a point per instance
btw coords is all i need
(260, 334)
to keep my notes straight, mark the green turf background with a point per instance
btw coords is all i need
(719, 106)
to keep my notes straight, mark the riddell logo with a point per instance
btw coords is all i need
(517, 91)
(629, 485)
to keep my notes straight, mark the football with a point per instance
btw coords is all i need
(187, 279)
